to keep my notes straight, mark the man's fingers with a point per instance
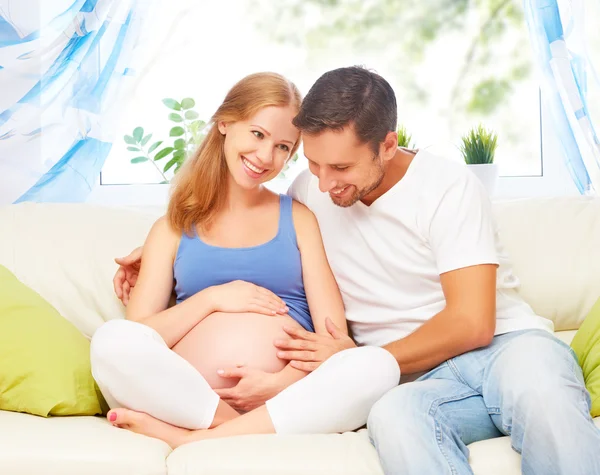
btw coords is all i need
(296, 355)
(299, 333)
(126, 293)
(333, 330)
(118, 282)
(295, 345)
(305, 366)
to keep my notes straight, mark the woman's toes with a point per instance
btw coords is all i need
(120, 417)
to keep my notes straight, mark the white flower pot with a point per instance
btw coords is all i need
(487, 174)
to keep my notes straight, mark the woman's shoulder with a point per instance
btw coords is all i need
(164, 234)
(304, 219)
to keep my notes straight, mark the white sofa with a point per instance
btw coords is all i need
(65, 252)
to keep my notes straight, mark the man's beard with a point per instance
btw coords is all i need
(359, 194)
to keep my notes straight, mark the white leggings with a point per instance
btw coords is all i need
(135, 369)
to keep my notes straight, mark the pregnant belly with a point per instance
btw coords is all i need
(224, 340)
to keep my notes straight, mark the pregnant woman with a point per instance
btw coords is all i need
(244, 263)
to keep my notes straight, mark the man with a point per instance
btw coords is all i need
(411, 241)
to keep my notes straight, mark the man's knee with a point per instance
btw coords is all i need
(400, 405)
(541, 375)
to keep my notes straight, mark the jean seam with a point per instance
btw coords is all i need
(456, 372)
(437, 427)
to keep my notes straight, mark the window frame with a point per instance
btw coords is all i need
(554, 180)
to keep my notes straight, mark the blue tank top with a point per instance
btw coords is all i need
(274, 265)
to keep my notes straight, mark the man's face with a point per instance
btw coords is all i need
(346, 169)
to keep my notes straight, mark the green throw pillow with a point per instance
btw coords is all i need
(586, 345)
(44, 359)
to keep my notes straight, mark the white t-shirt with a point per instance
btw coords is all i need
(387, 258)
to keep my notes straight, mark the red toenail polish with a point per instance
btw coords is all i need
(112, 417)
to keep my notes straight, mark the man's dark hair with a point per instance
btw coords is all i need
(350, 96)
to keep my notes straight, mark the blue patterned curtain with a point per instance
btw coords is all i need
(64, 67)
(557, 32)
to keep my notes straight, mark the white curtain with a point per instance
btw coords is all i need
(569, 78)
(64, 67)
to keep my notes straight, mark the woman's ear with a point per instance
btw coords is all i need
(222, 127)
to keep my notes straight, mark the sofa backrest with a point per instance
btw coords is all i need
(65, 252)
(554, 246)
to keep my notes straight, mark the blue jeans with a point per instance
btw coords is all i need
(525, 384)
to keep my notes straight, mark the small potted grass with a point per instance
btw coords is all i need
(478, 148)
(404, 138)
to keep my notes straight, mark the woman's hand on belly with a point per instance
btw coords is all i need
(227, 340)
(242, 296)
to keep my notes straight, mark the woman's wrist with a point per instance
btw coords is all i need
(206, 300)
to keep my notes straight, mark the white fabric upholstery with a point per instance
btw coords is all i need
(65, 252)
(32, 445)
(553, 244)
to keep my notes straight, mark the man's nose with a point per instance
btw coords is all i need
(326, 183)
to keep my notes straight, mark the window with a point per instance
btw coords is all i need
(452, 63)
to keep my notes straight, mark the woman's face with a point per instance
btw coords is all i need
(257, 149)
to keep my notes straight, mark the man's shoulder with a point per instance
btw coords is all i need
(439, 173)
(300, 189)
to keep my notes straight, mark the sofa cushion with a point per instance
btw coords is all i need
(496, 456)
(553, 246)
(75, 446)
(72, 267)
(341, 454)
(586, 345)
(44, 359)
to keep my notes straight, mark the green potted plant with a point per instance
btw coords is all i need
(186, 136)
(404, 138)
(478, 148)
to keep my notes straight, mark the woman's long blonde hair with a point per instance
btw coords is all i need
(199, 189)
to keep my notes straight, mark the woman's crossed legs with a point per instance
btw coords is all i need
(154, 391)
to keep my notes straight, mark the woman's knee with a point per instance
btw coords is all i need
(114, 340)
(375, 366)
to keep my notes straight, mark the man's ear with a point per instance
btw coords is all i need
(387, 149)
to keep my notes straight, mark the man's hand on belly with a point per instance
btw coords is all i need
(253, 389)
(306, 351)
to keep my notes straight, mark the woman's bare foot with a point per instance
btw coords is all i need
(145, 424)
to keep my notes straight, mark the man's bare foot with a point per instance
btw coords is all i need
(145, 424)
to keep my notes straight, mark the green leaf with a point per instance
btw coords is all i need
(163, 153)
(198, 123)
(479, 145)
(176, 132)
(191, 115)
(175, 117)
(138, 133)
(172, 104)
(139, 160)
(179, 154)
(133, 149)
(188, 103)
(179, 144)
(170, 164)
(130, 140)
(164, 182)
(146, 139)
(178, 166)
(154, 146)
